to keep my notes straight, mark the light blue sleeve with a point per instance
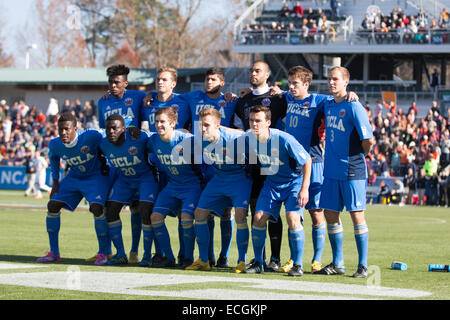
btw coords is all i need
(361, 121)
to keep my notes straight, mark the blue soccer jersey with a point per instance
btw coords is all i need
(130, 158)
(177, 101)
(303, 120)
(175, 157)
(347, 124)
(279, 157)
(129, 107)
(224, 155)
(199, 100)
(81, 155)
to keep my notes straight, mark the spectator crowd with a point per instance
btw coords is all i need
(294, 24)
(399, 27)
(414, 152)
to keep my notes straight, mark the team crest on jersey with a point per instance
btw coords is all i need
(265, 102)
(128, 102)
(306, 104)
(342, 113)
(132, 150)
(175, 106)
(222, 103)
(179, 149)
(84, 149)
(108, 107)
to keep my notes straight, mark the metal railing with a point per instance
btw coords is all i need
(439, 36)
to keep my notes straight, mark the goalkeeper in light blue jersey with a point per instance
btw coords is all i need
(348, 137)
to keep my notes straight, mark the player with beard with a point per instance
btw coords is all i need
(260, 95)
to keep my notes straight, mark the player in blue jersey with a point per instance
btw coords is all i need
(229, 187)
(86, 178)
(212, 97)
(305, 121)
(186, 179)
(128, 104)
(348, 137)
(135, 175)
(166, 80)
(287, 166)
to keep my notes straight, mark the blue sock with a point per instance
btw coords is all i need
(162, 235)
(188, 238)
(115, 231)
(181, 238)
(226, 231)
(53, 223)
(318, 237)
(201, 228)
(101, 230)
(211, 224)
(297, 240)
(242, 237)
(158, 249)
(336, 236)
(148, 236)
(136, 229)
(259, 235)
(362, 243)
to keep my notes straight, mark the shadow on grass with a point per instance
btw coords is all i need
(32, 259)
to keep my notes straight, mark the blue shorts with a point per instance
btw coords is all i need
(272, 197)
(339, 193)
(315, 186)
(219, 195)
(72, 190)
(173, 197)
(125, 190)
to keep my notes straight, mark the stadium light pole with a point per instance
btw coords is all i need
(27, 55)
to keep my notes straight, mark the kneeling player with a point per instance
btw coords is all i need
(186, 180)
(135, 176)
(230, 187)
(279, 155)
(84, 179)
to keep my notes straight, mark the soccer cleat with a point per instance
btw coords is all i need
(331, 269)
(163, 263)
(156, 258)
(240, 268)
(94, 258)
(50, 257)
(315, 266)
(116, 259)
(184, 264)
(296, 271)
(255, 267)
(101, 260)
(146, 261)
(274, 265)
(222, 262)
(199, 265)
(133, 258)
(362, 272)
(287, 266)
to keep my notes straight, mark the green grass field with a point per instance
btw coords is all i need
(417, 236)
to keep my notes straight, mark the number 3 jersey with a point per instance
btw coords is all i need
(130, 158)
(81, 155)
(347, 124)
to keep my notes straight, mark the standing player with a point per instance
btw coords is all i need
(305, 121)
(128, 104)
(280, 156)
(229, 187)
(186, 180)
(166, 80)
(41, 166)
(84, 179)
(135, 175)
(348, 137)
(213, 97)
(260, 95)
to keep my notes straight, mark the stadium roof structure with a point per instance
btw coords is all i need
(79, 76)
